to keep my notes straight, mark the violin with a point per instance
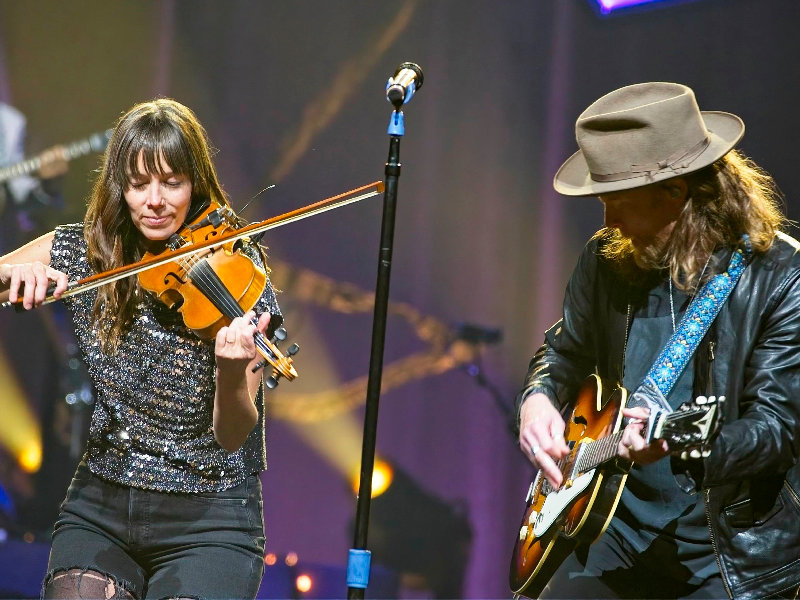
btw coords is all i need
(197, 238)
(212, 287)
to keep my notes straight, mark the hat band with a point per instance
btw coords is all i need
(677, 161)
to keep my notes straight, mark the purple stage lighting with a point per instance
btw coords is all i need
(606, 6)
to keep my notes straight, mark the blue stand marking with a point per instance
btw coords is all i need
(358, 563)
(397, 124)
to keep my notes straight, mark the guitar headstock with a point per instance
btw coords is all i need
(691, 428)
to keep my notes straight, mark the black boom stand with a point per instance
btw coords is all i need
(399, 89)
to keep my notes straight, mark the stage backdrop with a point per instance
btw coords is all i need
(292, 94)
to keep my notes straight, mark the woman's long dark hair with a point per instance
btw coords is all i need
(164, 133)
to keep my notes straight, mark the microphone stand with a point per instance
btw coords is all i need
(358, 563)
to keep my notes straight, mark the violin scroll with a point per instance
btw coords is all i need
(281, 363)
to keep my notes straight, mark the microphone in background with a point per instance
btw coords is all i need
(476, 334)
(401, 87)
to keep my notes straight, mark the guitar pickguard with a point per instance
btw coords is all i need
(557, 501)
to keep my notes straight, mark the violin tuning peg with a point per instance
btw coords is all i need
(292, 350)
(279, 335)
(271, 382)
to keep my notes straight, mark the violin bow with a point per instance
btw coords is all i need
(94, 281)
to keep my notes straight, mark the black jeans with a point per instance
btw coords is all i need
(156, 544)
(609, 569)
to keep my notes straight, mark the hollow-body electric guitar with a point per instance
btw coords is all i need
(555, 521)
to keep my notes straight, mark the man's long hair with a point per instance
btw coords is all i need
(729, 198)
(164, 133)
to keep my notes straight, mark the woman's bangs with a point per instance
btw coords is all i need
(160, 148)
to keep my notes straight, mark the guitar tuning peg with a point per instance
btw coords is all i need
(706, 453)
(271, 382)
(292, 350)
(702, 400)
(684, 455)
(694, 453)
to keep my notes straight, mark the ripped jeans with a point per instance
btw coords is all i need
(157, 545)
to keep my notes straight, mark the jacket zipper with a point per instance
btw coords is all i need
(714, 545)
(709, 390)
(710, 371)
(791, 491)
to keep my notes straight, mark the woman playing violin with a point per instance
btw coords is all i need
(167, 499)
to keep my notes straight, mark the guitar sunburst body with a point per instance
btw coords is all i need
(555, 521)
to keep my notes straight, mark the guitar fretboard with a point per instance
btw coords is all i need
(595, 453)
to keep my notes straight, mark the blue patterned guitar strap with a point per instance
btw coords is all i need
(694, 324)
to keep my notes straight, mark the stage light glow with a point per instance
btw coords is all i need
(606, 6)
(342, 450)
(382, 475)
(291, 559)
(19, 428)
(30, 457)
(304, 583)
(270, 559)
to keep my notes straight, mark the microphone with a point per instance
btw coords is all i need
(476, 334)
(401, 87)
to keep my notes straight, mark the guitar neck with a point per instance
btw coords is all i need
(692, 426)
(94, 143)
(595, 453)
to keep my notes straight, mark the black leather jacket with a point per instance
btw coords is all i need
(751, 355)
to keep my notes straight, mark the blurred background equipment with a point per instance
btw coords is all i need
(607, 6)
(422, 538)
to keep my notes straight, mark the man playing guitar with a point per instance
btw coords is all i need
(679, 204)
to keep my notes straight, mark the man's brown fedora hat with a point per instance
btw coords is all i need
(641, 134)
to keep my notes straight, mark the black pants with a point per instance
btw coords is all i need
(157, 545)
(609, 569)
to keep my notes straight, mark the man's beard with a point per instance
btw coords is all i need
(649, 257)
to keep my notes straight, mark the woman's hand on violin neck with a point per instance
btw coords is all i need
(235, 346)
(235, 413)
(31, 281)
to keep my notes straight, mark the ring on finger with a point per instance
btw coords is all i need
(534, 449)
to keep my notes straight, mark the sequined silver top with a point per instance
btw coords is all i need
(152, 419)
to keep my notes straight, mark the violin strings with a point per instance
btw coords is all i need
(209, 283)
